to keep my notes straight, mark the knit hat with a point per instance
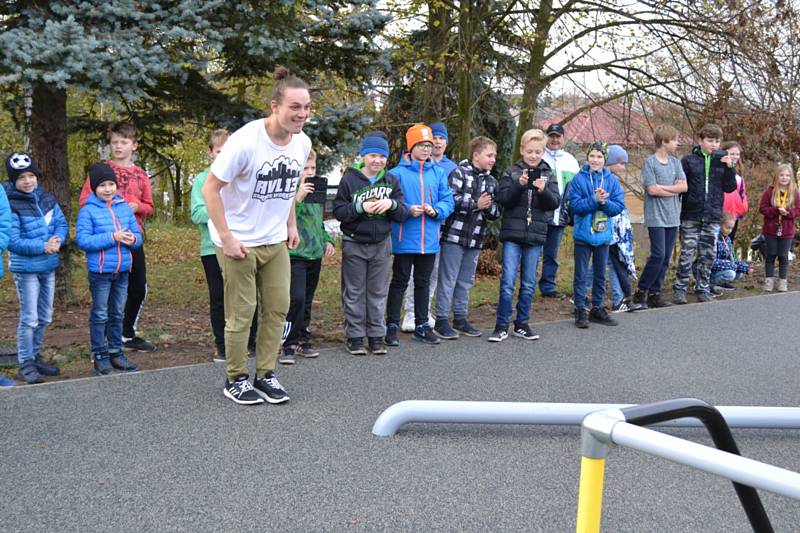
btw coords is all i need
(100, 172)
(600, 146)
(439, 130)
(418, 133)
(374, 142)
(18, 163)
(616, 155)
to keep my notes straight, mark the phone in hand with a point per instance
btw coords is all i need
(533, 175)
(320, 193)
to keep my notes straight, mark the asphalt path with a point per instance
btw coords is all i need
(165, 451)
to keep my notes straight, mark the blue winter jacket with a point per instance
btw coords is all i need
(422, 183)
(94, 232)
(35, 218)
(5, 226)
(583, 204)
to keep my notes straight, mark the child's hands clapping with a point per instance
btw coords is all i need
(53, 245)
(600, 195)
(125, 237)
(415, 210)
(377, 208)
(783, 211)
(485, 201)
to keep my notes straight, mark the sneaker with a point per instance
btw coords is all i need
(783, 286)
(286, 357)
(726, 286)
(442, 328)
(376, 346)
(640, 301)
(45, 369)
(241, 391)
(717, 290)
(219, 356)
(408, 324)
(306, 349)
(139, 344)
(466, 328)
(621, 307)
(5, 382)
(655, 301)
(555, 294)
(270, 388)
(29, 374)
(425, 334)
(120, 362)
(582, 318)
(704, 297)
(524, 331)
(599, 315)
(769, 284)
(499, 334)
(679, 297)
(391, 335)
(355, 346)
(102, 365)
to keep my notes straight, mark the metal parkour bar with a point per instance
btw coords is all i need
(458, 412)
(621, 426)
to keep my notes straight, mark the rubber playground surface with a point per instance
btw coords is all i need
(165, 451)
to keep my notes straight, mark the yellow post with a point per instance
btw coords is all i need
(590, 495)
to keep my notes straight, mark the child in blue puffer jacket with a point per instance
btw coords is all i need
(107, 231)
(415, 242)
(38, 229)
(594, 197)
(5, 230)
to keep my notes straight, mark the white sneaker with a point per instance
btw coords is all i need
(408, 324)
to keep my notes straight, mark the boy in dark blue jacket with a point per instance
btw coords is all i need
(594, 197)
(107, 231)
(38, 229)
(708, 178)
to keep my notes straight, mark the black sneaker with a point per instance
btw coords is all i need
(443, 329)
(704, 297)
(120, 362)
(621, 307)
(376, 346)
(102, 365)
(499, 334)
(425, 334)
(717, 291)
(286, 357)
(640, 301)
(679, 297)
(725, 286)
(524, 331)
(656, 302)
(466, 328)
(139, 344)
(555, 294)
(45, 369)
(241, 391)
(270, 389)
(355, 346)
(29, 374)
(599, 315)
(391, 335)
(219, 356)
(582, 318)
(306, 349)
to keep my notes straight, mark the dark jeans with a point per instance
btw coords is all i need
(547, 282)
(105, 319)
(620, 270)
(401, 272)
(777, 248)
(137, 291)
(599, 256)
(305, 276)
(662, 242)
(216, 303)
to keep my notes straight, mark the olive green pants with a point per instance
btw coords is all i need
(263, 276)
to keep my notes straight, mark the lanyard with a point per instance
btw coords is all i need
(707, 158)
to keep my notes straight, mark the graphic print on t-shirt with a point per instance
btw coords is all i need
(277, 180)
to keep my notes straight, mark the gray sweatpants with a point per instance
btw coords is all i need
(365, 284)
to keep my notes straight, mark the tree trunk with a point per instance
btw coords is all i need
(49, 147)
(534, 84)
(438, 29)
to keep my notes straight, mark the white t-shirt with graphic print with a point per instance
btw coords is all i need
(262, 179)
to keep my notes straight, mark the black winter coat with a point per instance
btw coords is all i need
(696, 205)
(526, 212)
(354, 190)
